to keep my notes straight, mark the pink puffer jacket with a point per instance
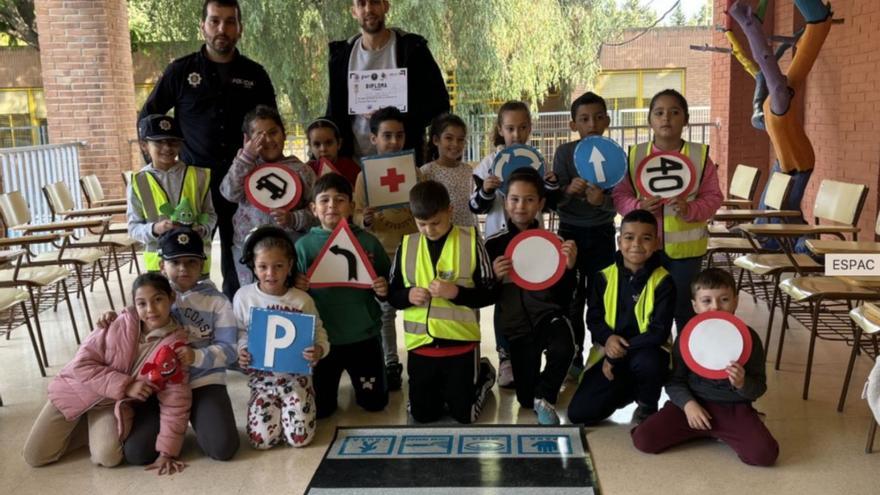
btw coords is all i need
(102, 369)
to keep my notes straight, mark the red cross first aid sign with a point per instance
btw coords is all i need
(388, 178)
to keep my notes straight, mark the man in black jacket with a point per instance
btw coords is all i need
(377, 47)
(210, 91)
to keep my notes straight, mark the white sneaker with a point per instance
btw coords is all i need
(505, 374)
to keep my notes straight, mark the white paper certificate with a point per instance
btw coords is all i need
(370, 90)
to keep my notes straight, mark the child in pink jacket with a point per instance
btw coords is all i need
(106, 391)
(682, 221)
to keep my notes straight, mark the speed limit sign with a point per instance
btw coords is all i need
(666, 174)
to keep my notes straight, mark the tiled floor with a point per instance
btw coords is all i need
(821, 449)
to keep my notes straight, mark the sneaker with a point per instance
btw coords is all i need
(574, 372)
(393, 376)
(546, 413)
(642, 412)
(484, 385)
(505, 374)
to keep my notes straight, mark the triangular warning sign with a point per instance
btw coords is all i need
(325, 167)
(342, 262)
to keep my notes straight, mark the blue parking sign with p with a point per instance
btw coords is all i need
(276, 340)
(600, 161)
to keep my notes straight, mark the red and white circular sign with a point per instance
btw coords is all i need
(271, 186)
(711, 340)
(665, 174)
(536, 258)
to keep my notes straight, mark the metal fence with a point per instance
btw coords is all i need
(27, 169)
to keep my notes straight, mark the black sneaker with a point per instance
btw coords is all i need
(394, 376)
(642, 412)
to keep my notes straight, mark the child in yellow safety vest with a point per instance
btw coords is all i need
(167, 184)
(629, 316)
(441, 276)
(683, 232)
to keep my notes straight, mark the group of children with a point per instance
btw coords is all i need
(432, 266)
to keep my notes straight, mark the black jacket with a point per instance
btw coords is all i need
(629, 289)
(426, 89)
(210, 113)
(518, 311)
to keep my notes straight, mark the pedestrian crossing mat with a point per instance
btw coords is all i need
(459, 460)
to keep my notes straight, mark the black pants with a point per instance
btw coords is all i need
(596, 249)
(454, 382)
(637, 377)
(553, 336)
(225, 211)
(211, 417)
(365, 364)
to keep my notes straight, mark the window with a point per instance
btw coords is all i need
(629, 92)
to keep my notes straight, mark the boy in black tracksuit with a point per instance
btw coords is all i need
(533, 321)
(629, 322)
(441, 277)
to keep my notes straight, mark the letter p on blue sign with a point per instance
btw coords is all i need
(276, 340)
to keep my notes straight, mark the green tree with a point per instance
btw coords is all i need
(497, 49)
(704, 16)
(677, 18)
(17, 21)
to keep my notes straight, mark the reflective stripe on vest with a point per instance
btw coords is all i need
(196, 186)
(644, 306)
(440, 319)
(681, 239)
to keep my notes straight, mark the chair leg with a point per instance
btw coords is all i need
(118, 275)
(9, 329)
(770, 318)
(82, 291)
(70, 310)
(106, 285)
(36, 309)
(785, 309)
(30, 329)
(814, 325)
(872, 430)
(849, 367)
(134, 260)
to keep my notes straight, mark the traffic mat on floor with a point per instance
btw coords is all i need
(458, 460)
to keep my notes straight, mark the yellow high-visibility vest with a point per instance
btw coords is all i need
(196, 187)
(681, 239)
(644, 306)
(441, 319)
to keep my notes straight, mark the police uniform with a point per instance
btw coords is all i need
(210, 101)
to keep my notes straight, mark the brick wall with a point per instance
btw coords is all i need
(840, 102)
(659, 48)
(86, 65)
(732, 88)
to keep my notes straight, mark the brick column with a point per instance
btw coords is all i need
(735, 141)
(85, 53)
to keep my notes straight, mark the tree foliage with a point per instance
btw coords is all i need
(17, 21)
(496, 49)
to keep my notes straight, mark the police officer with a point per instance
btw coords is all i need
(210, 91)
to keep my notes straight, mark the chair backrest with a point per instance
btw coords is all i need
(14, 209)
(778, 188)
(58, 196)
(126, 177)
(744, 182)
(92, 189)
(840, 202)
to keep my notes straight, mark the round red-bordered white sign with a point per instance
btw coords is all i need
(666, 174)
(711, 340)
(272, 186)
(536, 258)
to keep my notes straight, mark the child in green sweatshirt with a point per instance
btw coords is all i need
(351, 316)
